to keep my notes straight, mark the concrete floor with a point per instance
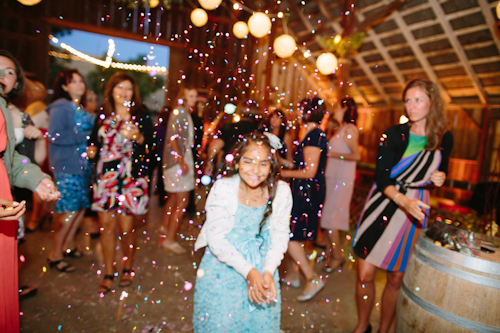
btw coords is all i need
(161, 297)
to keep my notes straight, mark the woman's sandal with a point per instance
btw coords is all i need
(75, 253)
(61, 265)
(106, 284)
(127, 277)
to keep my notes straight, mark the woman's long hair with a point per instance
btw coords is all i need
(18, 89)
(267, 124)
(313, 109)
(229, 169)
(63, 79)
(109, 106)
(436, 122)
(351, 114)
(181, 95)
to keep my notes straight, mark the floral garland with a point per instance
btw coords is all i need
(167, 4)
(343, 46)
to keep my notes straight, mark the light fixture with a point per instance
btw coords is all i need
(403, 119)
(498, 10)
(240, 29)
(259, 24)
(154, 3)
(326, 63)
(210, 4)
(29, 2)
(284, 46)
(199, 17)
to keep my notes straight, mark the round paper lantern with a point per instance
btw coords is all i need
(259, 24)
(498, 10)
(154, 3)
(326, 63)
(29, 2)
(199, 17)
(210, 4)
(284, 46)
(240, 29)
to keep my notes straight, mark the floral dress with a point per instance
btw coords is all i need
(117, 187)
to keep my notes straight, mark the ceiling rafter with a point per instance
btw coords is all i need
(309, 26)
(459, 50)
(490, 20)
(426, 66)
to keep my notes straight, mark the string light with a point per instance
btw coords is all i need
(104, 63)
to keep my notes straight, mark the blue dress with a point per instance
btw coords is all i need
(221, 295)
(75, 188)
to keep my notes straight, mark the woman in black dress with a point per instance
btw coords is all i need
(308, 188)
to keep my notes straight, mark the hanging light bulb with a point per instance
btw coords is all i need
(284, 46)
(326, 63)
(498, 10)
(154, 3)
(259, 24)
(29, 2)
(199, 17)
(210, 4)
(240, 29)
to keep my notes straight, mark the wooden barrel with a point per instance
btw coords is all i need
(446, 291)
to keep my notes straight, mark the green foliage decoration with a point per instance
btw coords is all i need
(348, 45)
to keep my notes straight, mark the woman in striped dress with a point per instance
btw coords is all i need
(411, 158)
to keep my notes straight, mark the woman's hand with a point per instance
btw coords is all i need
(413, 207)
(271, 292)
(11, 210)
(91, 151)
(438, 178)
(256, 287)
(183, 165)
(32, 133)
(47, 191)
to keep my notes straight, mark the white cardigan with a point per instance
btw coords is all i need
(221, 206)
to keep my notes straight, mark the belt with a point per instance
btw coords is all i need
(407, 186)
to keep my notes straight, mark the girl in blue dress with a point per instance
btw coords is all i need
(245, 236)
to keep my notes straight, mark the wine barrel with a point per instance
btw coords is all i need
(447, 291)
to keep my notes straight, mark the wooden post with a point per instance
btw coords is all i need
(348, 23)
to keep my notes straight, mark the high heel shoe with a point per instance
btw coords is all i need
(338, 263)
(368, 329)
(61, 265)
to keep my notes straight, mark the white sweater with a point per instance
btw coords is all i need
(221, 206)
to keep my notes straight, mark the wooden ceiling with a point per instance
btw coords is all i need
(453, 43)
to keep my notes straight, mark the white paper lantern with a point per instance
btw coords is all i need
(326, 63)
(284, 46)
(210, 4)
(240, 29)
(199, 17)
(498, 10)
(154, 3)
(29, 2)
(259, 24)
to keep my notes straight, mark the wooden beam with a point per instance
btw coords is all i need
(459, 50)
(379, 15)
(490, 20)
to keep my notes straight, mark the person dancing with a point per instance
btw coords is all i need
(411, 158)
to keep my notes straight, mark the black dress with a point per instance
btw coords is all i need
(308, 194)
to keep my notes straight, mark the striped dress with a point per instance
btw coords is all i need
(385, 234)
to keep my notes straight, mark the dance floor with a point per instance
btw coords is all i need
(161, 297)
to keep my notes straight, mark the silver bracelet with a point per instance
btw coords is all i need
(395, 199)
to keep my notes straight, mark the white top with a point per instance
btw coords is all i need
(221, 206)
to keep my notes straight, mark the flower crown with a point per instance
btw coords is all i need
(274, 140)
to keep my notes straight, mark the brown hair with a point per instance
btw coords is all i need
(63, 79)
(109, 103)
(436, 122)
(18, 89)
(229, 168)
(182, 93)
